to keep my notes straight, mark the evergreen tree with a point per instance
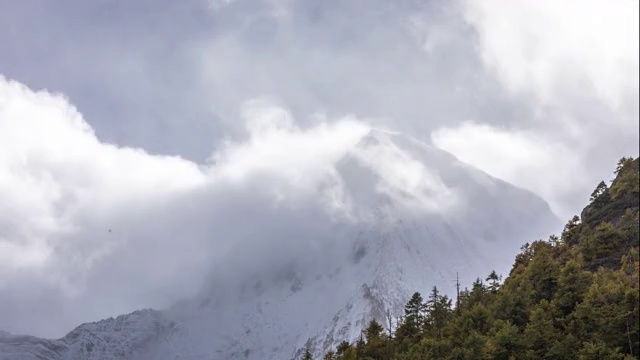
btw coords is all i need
(571, 231)
(373, 332)
(342, 348)
(414, 310)
(574, 297)
(376, 343)
(330, 355)
(599, 191)
(438, 312)
(413, 321)
(573, 283)
(622, 163)
(598, 350)
(542, 272)
(513, 306)
(477, 293)
(505, 342)
(307, 355)
(494, 281)
(602, 315)
(539, 334)
(360, 346)
(601, 247)
(628, 180)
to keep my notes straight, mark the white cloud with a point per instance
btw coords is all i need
(543, 166)
(567, 70)
(570, 111)
(276, 145)
(556, 50)
(53, 169)
(575, 65)
(90, 230)
(64, 195)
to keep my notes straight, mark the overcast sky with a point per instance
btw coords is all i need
(114, 109)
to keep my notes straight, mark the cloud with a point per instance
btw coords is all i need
(54, 164)
(525, 158)
(90, 229)
(63, 193)
(98, 230)
(540, 93)
(557, 51)
(276, 144)
(564, 71)
(404, 64)
(576, 65)
(435, 66)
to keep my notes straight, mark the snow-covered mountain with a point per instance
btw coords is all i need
(411, 217)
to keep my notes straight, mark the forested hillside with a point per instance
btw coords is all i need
(570, 297)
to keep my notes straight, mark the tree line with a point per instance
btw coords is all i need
(573, 296)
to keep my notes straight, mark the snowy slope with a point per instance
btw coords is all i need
(110, 339)
(411, 216)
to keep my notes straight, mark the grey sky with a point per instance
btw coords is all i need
(170, 76)
(543, 94)
(121, 63)
(160, 75)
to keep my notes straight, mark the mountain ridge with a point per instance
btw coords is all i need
(411, 209)
(573, 296)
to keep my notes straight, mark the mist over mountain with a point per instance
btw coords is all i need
(573, 296)
(390, 215)
(254, 178)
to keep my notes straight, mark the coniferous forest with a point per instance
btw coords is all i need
(573, 296)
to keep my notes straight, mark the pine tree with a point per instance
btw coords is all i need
(571, 231)
(477, 294)
(414, 310)
(307, 355)
(360, 346)
(627, 181)
(539, 334)
(599, 190)
(603, 315)
(373, 331)
(575, 297)
(342, 348)
(598, 350)
(494, 281)
(622, 163)
(573, 283)
(506, 341)
(330, 355)
(375, 347)
(602, 247)
(438, 311)
(514, 306)
(542, 272)
(413, 321)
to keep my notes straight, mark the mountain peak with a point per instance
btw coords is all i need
(419, 216)
(375, 136)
